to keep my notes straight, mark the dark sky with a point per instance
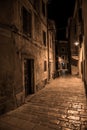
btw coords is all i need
(60, 10)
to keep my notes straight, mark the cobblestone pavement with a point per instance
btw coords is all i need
(61, 105)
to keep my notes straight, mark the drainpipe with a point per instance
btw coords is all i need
(48, 48)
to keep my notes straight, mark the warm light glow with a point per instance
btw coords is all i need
(76, 43)
(60, 60)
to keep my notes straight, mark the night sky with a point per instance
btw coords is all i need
(60, 10)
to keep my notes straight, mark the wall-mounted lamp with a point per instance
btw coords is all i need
(76, 43)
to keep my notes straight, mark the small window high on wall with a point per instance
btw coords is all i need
(27, 22)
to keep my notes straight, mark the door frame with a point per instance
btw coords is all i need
(23, 83)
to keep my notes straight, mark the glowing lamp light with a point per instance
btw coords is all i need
(76, 43)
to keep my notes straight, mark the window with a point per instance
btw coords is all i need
(45, 65)
(43, 8)
(44, 38)
(27, 22)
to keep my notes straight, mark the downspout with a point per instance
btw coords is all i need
(48, 48)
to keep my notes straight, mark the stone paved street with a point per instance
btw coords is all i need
(61, 105)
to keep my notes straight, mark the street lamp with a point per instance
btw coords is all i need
(76, 43)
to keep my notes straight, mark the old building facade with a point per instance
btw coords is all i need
(23, 50)
(75, 35)
(63, 58)
(78, 32)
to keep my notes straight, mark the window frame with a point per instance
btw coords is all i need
(27, 22)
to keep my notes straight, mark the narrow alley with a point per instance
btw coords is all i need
(61, 105)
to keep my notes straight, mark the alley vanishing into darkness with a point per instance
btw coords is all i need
(61, 105)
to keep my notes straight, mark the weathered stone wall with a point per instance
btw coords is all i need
(51, 48)
(7, 82)
(29, 49)
(14, 48)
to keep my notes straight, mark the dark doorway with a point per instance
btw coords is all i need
(29, 76)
